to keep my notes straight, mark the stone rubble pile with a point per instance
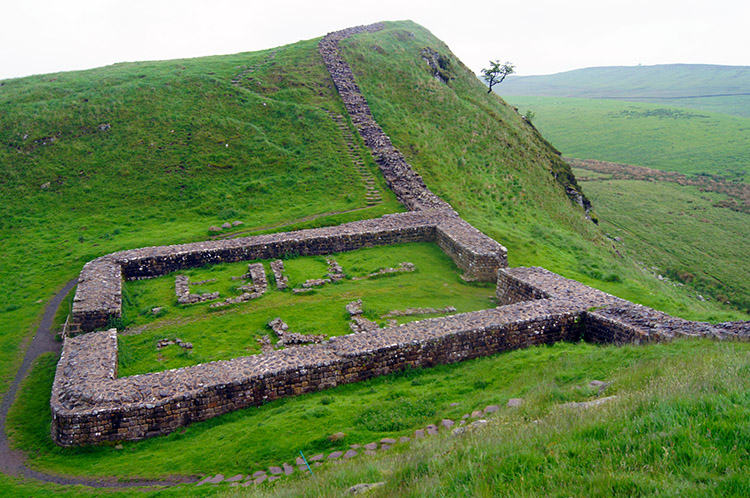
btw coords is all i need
(182, 291)
(257, 274)
(291, 338)
(277, 267)
(402, 267)
(358, 322)
(163, 343)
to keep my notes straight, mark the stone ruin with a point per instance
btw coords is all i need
(182, 291)
(257, 275)
(90, 404)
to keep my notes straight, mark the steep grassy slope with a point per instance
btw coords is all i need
(109, 191)
(677, 232)
(154, 153)
(480, 155)
(724, 89)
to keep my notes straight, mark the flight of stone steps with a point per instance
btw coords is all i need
(246, 70)
(372, 194)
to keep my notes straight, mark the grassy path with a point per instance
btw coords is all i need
(12, 462)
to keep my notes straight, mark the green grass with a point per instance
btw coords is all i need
(232, 332)
(677, 428)
(653, 135)
(680, 231)
(162, 173)
(679, 424)
(185, 149)
(723, 89)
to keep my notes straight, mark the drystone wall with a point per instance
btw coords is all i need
(91, 405)
(406, 183)
(98, 298)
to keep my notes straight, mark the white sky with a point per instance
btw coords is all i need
(538, 36)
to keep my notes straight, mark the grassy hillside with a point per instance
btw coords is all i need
(677, 232)
(653, 135)
(724, 89)
(154, 153)
(480, 155)
(677, 427)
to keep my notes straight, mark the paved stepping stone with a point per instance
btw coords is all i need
(384, 447)
(335, 455)
(371, 446)
(453, 404)
(478, 423)
(273, 478)
(300, 461)
(261, 479)
(207, 480)
(431, 431)
(458, 431)
(388, 440)
(491, 409)
(355, 446)
(319, 456)
(288, 469)
(247, 483)
(447, 423)
(275, 470)
(234, 479)
(216, 479)
(476, 414)
(465, 416)
(515, 402)
(370, 452)
(259, 473)
(350, 454)
(404, 439)
(419, 434)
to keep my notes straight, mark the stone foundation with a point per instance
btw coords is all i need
(98, 298)
(91, 405)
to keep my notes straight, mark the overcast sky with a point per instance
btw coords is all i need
(538, 36)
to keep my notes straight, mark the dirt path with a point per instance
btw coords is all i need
(12, 462)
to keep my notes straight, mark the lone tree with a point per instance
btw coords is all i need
(497, 73)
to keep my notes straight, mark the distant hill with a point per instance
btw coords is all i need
(708, 87)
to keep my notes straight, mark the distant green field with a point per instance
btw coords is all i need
(666, 138)
(680, 232)
(187, 147)
(724, 89)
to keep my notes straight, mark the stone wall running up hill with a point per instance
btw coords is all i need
(90, 404)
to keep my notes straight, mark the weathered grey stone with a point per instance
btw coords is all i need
(363, 487)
